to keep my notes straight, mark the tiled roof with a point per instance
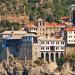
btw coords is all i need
(69, 29)
(31, 25)
(53, 24)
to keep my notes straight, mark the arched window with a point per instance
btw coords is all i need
(47, 56)
(57, 56)
(61, 54)
(52, 57)
(42, 55)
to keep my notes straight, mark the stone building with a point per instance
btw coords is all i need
(12, 42)
(54, 29)
(29, 48)
(20, 44)
(41, 27)
(70, 40)
(51, 48)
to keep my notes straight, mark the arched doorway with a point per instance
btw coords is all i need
(52, 57)
(57, 56)
(47, 56)
(61, 55)
(42, 55)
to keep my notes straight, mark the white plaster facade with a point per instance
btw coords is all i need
(51, 46)
(70, 36)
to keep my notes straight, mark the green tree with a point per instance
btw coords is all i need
(31, 18)
(49, 18)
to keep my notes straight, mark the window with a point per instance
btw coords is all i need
(47, 42)
(57, 48)
(29, 37)
(46, 29)
(62, 42)
(43, 24)
(47, 48)
(40, 23)
(42, 48)
(62, 48)
(70, 31)
(70, 36)
(43, 33)
(52, 42)
(52, 48)
(57, 42)
(26, 38)
(42, 42)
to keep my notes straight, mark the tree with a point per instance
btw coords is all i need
(49, 18)
(60, 61)
(31, 18)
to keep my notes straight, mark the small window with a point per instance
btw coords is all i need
(42, 48)
(62, 48)
(57, 42)
(69, 36)
(43, 33)
(47, 48)
(47, 42)
(29, 37)
(46, 29)
(57, 48)
(42, 42)
(62, 42)
(52, 42)
(40, 23)
(43, 24)
(26, 38)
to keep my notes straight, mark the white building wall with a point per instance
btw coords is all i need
(70, 37)
(34, 30)
(58, 45)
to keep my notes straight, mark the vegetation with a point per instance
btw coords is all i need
(60, 61)
(7, 25)
(56, 8)
(49, 10)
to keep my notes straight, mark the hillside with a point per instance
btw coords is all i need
(13, 10)
(35, 8)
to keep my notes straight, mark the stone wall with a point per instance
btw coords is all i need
(70, 50)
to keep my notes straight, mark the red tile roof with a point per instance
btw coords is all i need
(31, 25)
(69, 29)
(55, 24)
